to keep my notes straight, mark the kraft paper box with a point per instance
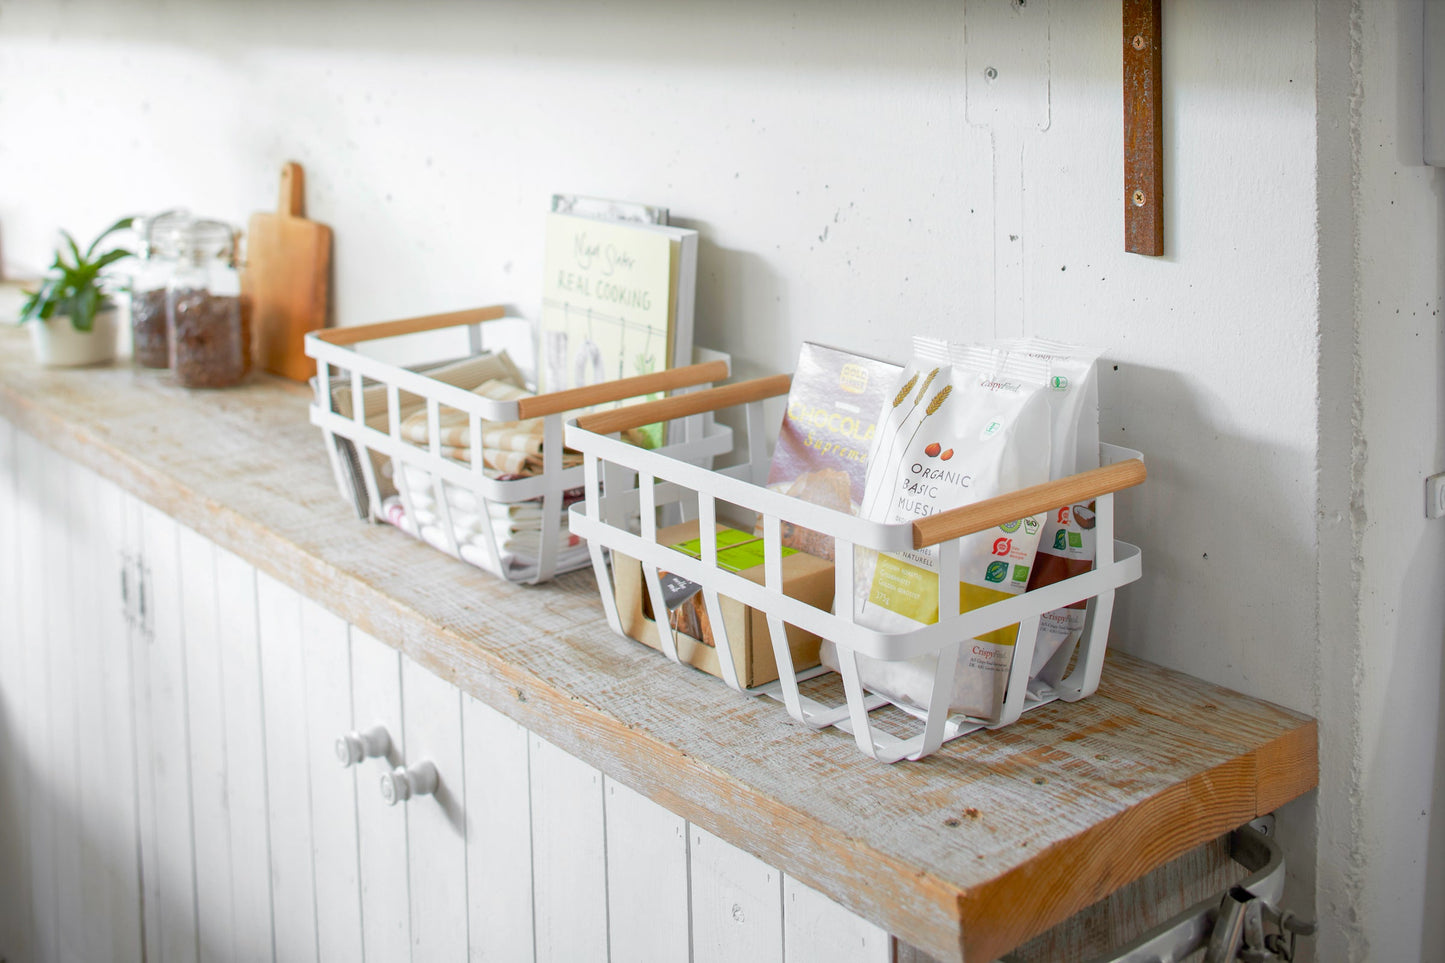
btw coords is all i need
(805, 577)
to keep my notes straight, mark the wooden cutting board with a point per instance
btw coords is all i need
(287, 279)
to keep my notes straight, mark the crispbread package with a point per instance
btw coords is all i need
(1066, 546)
(957, 432)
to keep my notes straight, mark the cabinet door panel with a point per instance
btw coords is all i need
(172, 859)
(737, 904)
(499, 835)
(206, 714)
(132, 521)
(569, 862)
(326, 652)
(46, 736)
(36, 528)
(109, 925)
(118, 510)
(436, 824)
(18, 524)
(647, 897)
(288, 805)
(381, 829)
(61, 594)
(90, 924)
(240, 666)
(818, 930)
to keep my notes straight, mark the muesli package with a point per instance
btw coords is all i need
(1066, 547)
(956, 432)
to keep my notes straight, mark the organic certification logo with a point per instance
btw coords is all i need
(996, 571)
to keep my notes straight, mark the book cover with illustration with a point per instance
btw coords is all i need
(616, 300)
(822, 450)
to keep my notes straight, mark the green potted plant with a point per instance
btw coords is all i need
(72, 315)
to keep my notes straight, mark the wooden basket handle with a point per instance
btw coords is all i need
(354, 334)
(694, 403)
(635, 387)
(969, 519)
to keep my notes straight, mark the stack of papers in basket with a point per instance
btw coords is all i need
(350, 473)
(515, 529)
(508, 448)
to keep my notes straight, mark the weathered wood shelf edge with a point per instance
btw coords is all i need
(993, 840)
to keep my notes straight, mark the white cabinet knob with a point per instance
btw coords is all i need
(400, 784)
(354, 747)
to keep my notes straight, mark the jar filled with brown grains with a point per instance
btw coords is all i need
(208, 321)
(161, 240)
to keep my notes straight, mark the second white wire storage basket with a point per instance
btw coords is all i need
(440, 490)
(624, 484)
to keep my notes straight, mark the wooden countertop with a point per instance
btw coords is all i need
(994, 839)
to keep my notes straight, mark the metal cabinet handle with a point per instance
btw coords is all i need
(400, 784)
(355, 747)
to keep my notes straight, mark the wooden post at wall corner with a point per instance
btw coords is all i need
(1143, 130)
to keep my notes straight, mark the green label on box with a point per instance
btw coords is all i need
(736, 551)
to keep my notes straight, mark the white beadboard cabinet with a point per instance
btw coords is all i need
(171, 790)
(183, 643)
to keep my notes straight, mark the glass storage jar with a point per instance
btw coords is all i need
(161, 240)
(209, 324)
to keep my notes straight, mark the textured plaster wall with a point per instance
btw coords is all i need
(1382, 566)
(856, 179)
(826, 154)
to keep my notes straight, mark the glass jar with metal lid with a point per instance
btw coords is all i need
(162, 237)
(209, 324)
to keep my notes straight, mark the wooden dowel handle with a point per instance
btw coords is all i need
(968, 519)
(391, 329)
(695, 403)
(621, 389)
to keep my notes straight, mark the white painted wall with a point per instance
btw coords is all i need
(852, 184)
(1381, 672)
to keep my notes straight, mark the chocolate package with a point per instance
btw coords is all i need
(822, 450)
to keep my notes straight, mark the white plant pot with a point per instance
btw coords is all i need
(58, 345)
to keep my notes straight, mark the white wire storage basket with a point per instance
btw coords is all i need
(359, 406)
(624, 483)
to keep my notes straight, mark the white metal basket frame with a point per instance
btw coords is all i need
(612, 499)
(334, 348)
